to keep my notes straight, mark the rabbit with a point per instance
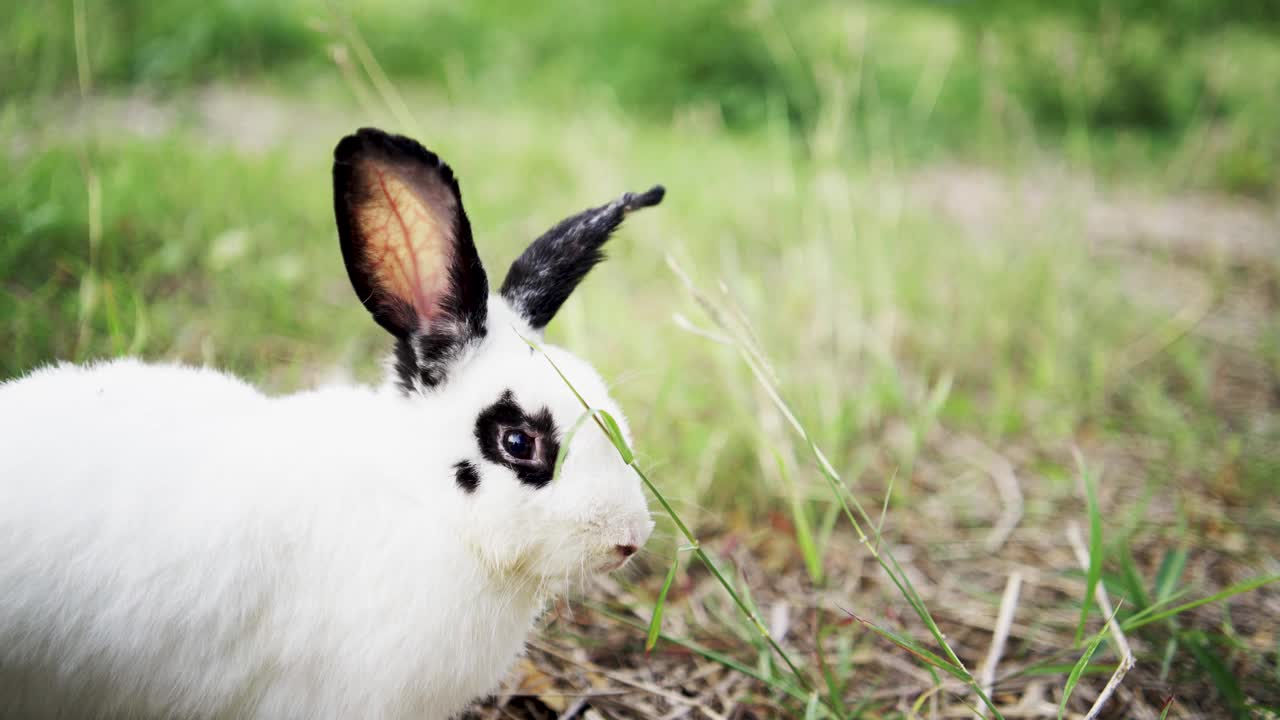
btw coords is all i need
(175, 543)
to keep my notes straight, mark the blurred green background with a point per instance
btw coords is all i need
(1036, 226)
(952, 73)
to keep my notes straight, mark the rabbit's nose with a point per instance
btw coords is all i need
(625, 551)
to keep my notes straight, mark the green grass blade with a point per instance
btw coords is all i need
(1131, 579)
(1171, 568)
(1050, 669)
(803, 527)
(884, 506)
(1095, 546)
(1153, 608)
(615, 434)
(835, 688)
(911, 646)
(812, 707)
(1170, 651)
(568, 438)
(1223, 678)
(1242, 587)
(655, 625)
(1074, 678)
(712, 655)
(827, 526)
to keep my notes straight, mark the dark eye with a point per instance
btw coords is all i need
(518, 444)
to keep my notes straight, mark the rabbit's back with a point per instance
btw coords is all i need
(98, 533)
(175, 544)
(64, 389)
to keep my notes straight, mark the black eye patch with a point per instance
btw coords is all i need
(501, 446)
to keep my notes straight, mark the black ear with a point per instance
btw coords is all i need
(408, 250)
(542, 278)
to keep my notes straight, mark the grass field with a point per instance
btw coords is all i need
(935, 290)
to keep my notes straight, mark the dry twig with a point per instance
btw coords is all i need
(1004, 621)
(1127, 661)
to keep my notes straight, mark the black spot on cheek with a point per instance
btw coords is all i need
(467, 477)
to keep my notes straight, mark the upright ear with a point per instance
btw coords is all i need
(542, 278)
(408, 250)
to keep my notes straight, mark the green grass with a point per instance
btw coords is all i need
(798, 333)
(964, 77)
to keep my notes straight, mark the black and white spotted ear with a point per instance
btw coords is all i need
(542, 278)
(408, 250)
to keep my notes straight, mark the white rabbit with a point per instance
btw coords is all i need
(175, 544)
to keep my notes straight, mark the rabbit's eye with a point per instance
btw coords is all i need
(523, 442)
(519, 444)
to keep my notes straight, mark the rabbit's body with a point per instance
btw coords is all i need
(283, 568)
(176, 544)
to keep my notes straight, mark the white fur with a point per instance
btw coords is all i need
(174, 543)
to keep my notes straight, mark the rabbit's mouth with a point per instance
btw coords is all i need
(612, 564)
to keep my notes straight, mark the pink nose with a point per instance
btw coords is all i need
(625, 551)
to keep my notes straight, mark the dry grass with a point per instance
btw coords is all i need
(586, 650)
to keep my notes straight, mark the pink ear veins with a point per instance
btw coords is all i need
(408, 248)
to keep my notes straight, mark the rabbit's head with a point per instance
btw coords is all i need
(496, 405)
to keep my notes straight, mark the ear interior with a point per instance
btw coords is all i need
(405, 237)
